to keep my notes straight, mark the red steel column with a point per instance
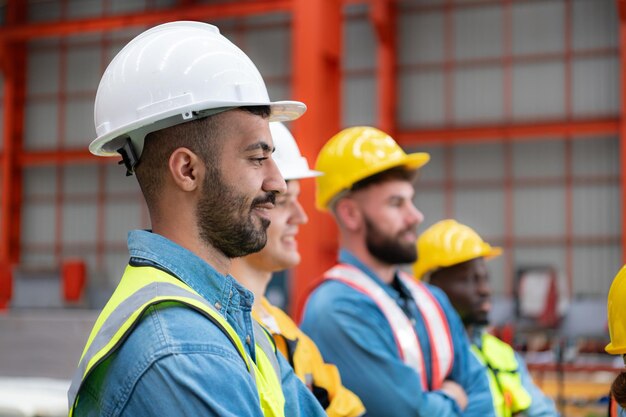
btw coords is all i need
(622, 129)
(507, 184)
(316, 54)
(383, 16)
(12, 136)
(569, 145)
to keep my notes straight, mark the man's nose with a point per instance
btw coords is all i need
(298, 214)
(274, 181)
(484, 288)
(415, 215)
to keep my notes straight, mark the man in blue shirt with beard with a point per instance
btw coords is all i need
(398, 344)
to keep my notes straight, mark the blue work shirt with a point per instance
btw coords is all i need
(541, 405)
(353, 333)
(178, 363)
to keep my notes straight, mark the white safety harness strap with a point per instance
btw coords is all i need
(437, 325)
(403, 330)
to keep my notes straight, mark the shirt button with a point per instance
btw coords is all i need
(230, 294)
(218, 305)
(248, 340)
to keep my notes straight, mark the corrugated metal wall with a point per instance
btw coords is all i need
(553, 201)
(460, 63)
(84, 210)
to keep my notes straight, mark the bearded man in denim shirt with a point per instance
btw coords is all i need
(188, 112)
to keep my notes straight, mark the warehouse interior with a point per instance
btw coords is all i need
(520, 104)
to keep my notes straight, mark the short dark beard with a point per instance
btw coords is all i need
(225, 218)
(472, 320)
(387, 249)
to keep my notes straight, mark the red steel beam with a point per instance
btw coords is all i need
(621, 8)
(569, 192)
(485, 133)
(406, 138)
(41, 158)
(60, 142)
(8, 161)
(185, 12)
(316, 54)
(12, 136)
(507, 184)
(509, 216)
(383, 17)
(449, 63)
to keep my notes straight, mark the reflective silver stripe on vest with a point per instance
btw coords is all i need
(120, 315)
(262, 340)
(402, 328)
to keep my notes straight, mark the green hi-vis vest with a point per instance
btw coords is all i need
(508, 394)
(142, 287)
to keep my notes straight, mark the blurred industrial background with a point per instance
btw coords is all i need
(519, 103)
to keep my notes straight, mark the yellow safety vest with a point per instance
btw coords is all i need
(309, 366)
(508, 394)
(142, 287)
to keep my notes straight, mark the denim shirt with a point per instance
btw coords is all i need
(541, 405)
(352, 333)
(176, 362)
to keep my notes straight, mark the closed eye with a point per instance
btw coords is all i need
(259, 161)
(396, 202)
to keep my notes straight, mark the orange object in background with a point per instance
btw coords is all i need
(6, 285)
(74, 277)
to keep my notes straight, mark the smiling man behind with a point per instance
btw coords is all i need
(281, 252)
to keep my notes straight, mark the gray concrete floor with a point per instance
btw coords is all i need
(43, 343)
(39, 351)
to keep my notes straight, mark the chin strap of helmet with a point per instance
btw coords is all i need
(129, 157)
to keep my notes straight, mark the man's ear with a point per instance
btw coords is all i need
(349, 214)
(186, 169)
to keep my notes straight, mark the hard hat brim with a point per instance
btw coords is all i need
(416, 160)
(495, 251)
(281, 111)
(310, 173)
(285, 111)
(614, 350)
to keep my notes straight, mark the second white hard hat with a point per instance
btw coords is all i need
(174, 73)
(291, 164)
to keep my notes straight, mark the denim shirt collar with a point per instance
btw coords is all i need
(347, 257)
(223, 291)
(476, 336)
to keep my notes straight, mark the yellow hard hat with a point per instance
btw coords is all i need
(448, 243)
(354, 154)
(616, 314)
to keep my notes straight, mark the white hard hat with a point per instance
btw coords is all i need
(291, 164)
(174, 73)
